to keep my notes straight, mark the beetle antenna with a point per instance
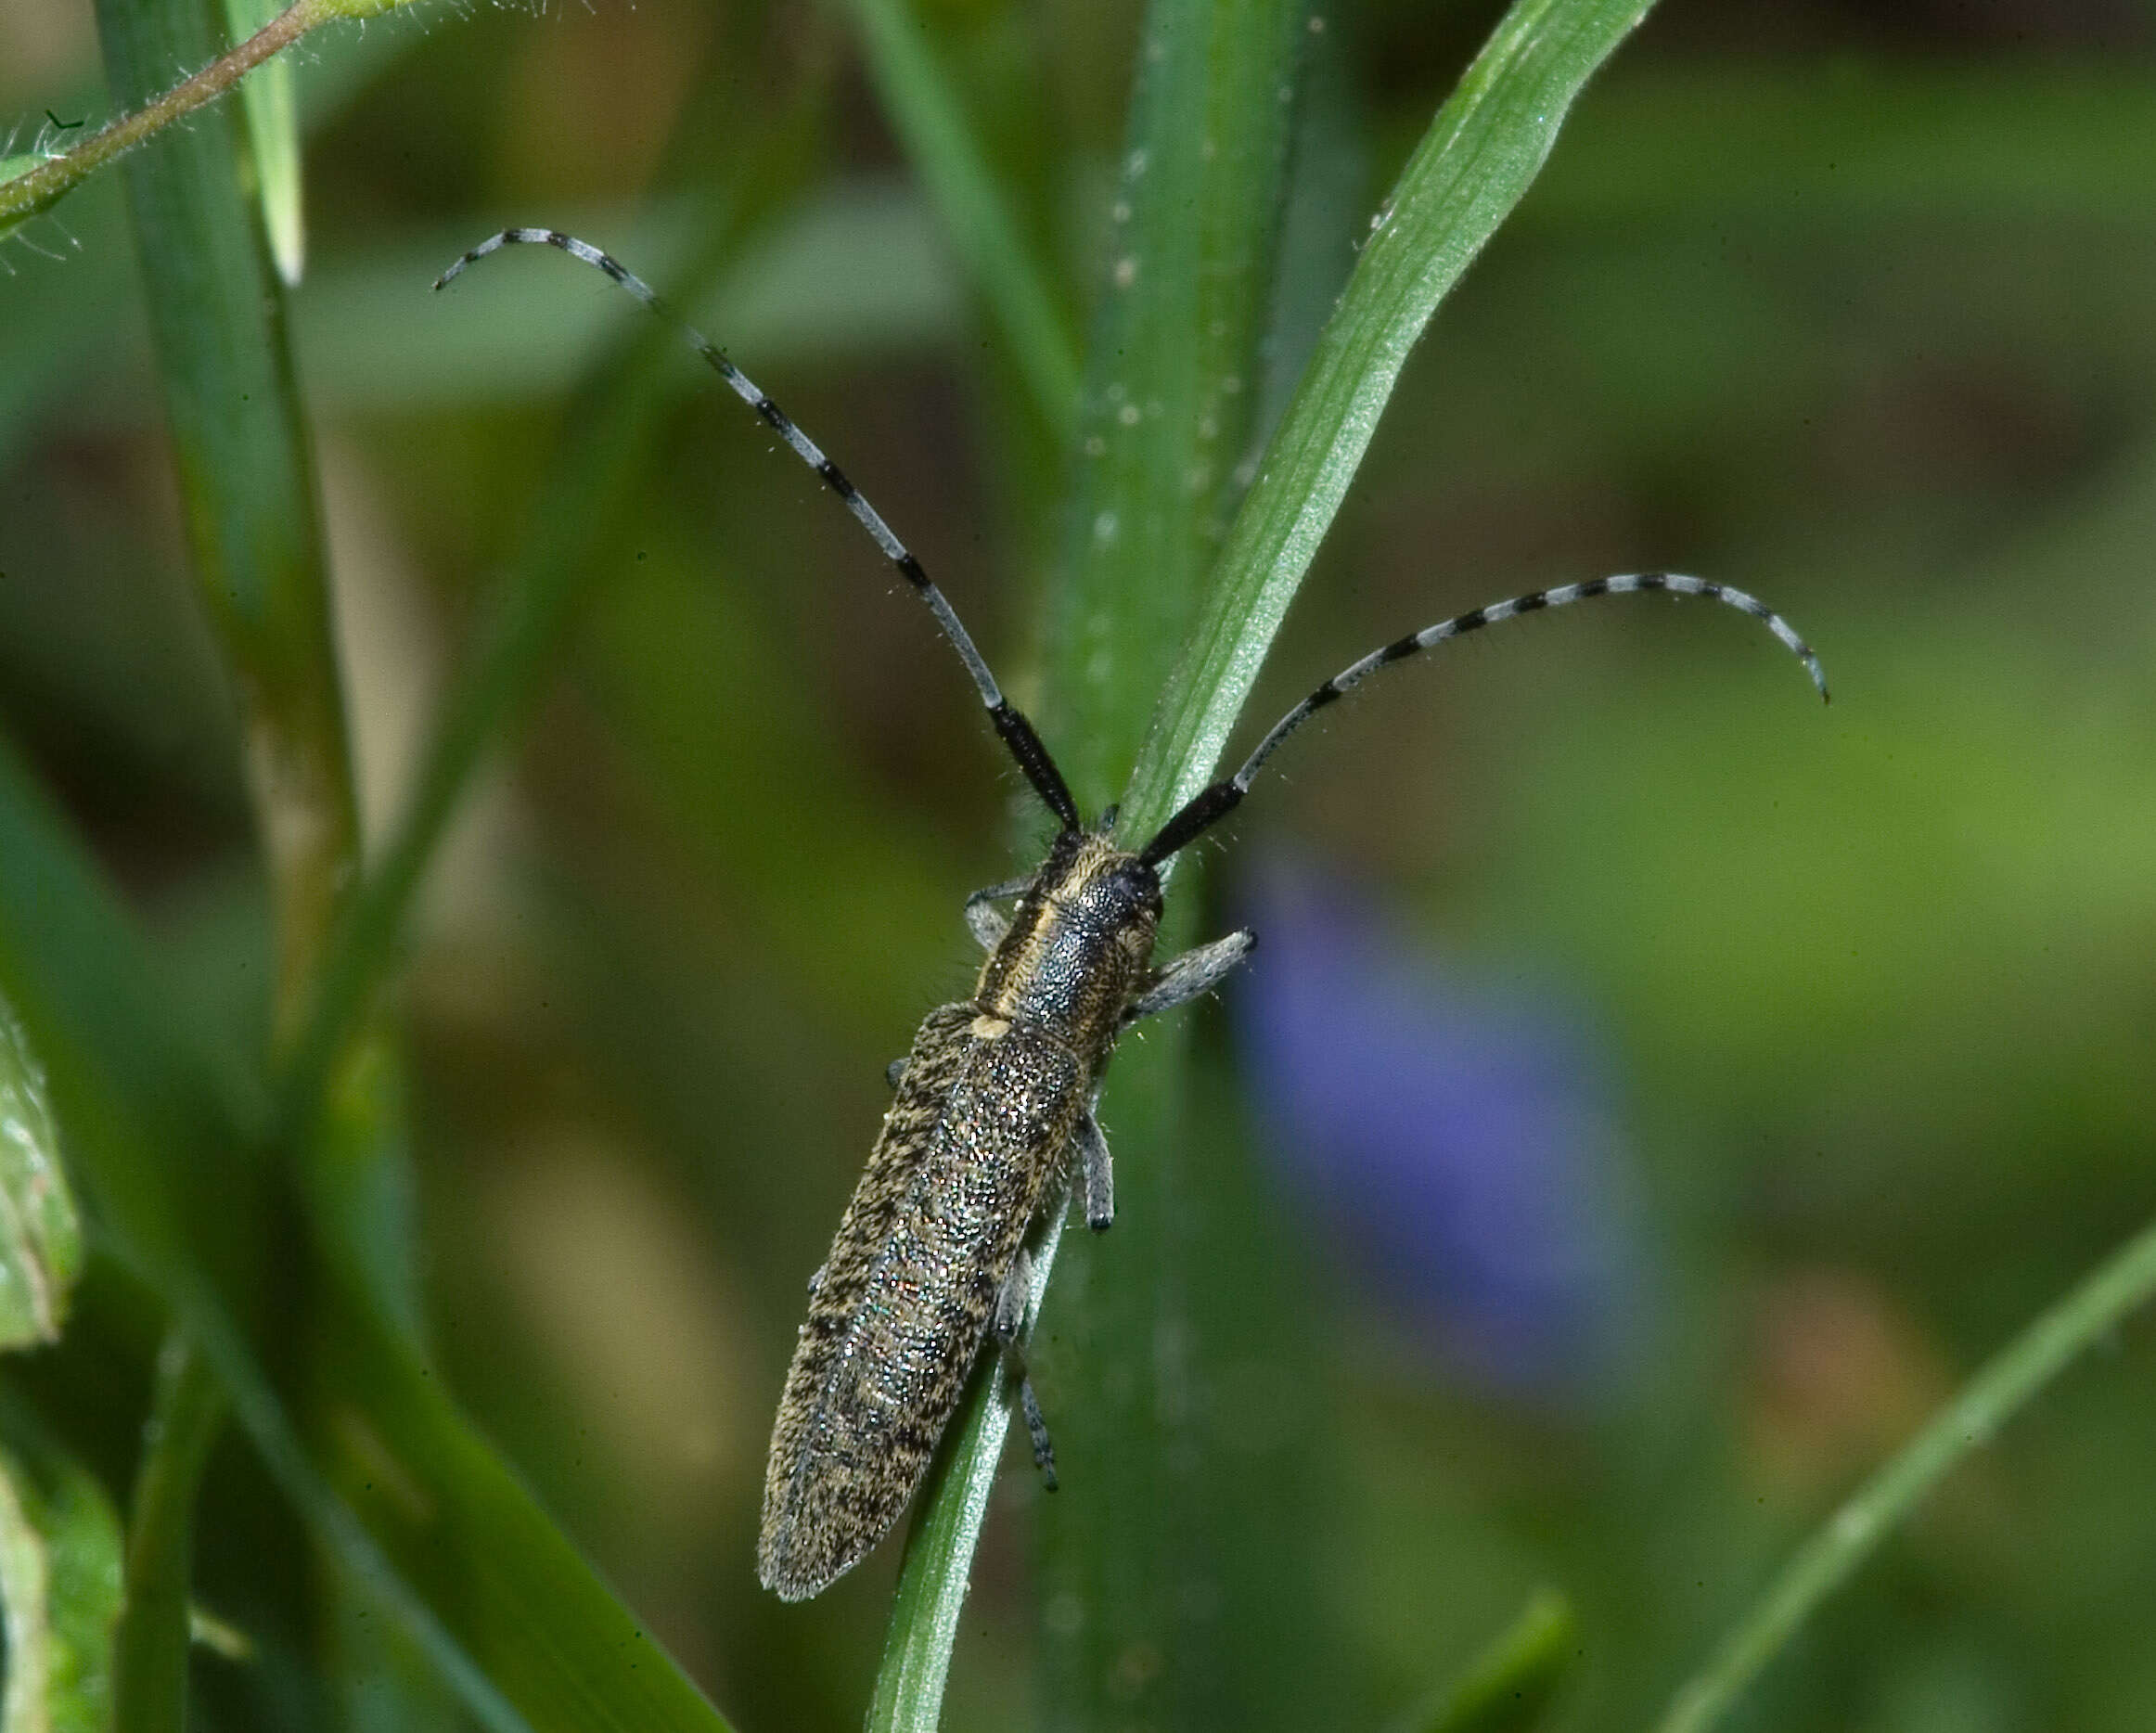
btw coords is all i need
(1017, 733)
(1210, 805)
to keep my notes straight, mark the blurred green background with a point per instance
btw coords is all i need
(1849, 304)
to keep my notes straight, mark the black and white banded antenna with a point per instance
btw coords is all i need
(1017, 733)
(1210, 805)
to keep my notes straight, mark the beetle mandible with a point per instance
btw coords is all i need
(993, 1108)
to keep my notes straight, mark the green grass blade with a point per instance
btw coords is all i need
(1173, 376)
(2105, 1298)
(250, 495)
(150, 1661)
(1120, 1577)
(462, 1534)
(1510, 1684)
(41, 1240)
(362, 1195)
(925, 110)
(246, 471)
(1177, 343)
(78, 976)
(270, 97)
(137, 1113)
(1471, 168)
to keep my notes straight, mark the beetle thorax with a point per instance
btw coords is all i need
(1080, 944)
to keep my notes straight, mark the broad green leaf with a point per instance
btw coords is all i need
(41, 1241)
(59, 1577)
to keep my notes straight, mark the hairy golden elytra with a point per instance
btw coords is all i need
(991, 1116)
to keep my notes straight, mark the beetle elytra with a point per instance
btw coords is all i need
(993, 1108)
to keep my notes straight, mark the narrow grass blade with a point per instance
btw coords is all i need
(1509, 1684)
(137, 1113)
(2106, 1297)
(270, 97)
(363, 1194)
(59, 1577)
(466, 1538)
(150, 1663)
(1153, 489)
(249, 490)
(931, 119)
(1169, 400)
(1472, 167)
(1173, 377)
(41, 1240)
(245, 472)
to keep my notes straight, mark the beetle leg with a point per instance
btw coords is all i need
(985, 923)
(1096, 1171)
(1195, 972)
(1010, 1316)
(1004, 1324)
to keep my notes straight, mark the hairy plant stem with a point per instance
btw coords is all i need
(45, 185)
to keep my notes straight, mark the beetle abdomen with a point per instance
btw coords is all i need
(969, 1151)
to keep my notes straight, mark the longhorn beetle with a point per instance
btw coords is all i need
(993, 1108)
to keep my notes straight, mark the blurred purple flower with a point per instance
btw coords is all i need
(1455, 1135)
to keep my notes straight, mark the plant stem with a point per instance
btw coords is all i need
(149, 1671)
(2115, 1289)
